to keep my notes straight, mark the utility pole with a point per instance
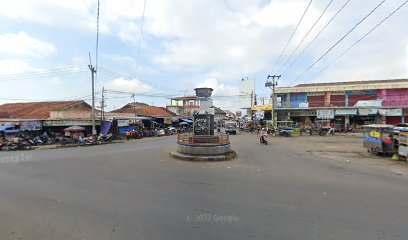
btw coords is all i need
(93, 71)
(271, 85)
(252, 103)
(103, 105)
(134, 104)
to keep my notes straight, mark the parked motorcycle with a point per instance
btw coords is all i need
(105, 139)
(10, 146)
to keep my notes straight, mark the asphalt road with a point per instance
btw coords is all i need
(135, 191)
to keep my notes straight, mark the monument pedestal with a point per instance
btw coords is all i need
(203, 145)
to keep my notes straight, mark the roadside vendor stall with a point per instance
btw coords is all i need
(378, 138)
(8, 132)
(403, 145)
(74, 132)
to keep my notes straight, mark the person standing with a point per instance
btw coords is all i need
(332, 128)
(127, 135)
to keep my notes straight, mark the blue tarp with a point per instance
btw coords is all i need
(106, 125)
(11, 131)
(371, 139)
(186, 120)
(5, 127)
(125, 129)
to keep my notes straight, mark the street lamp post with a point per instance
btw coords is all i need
(271, 85)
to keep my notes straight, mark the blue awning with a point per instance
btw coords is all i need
(11, 131)
(5, 127)
(186, 120)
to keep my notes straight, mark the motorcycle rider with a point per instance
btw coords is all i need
(262, 134)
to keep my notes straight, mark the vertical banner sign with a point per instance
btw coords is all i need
(325, 114)
(203, 124)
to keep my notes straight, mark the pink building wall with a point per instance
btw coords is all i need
(394, 97)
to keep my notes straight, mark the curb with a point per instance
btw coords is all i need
(229, 156)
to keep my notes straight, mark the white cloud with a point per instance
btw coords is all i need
(15, 66)
(75, 14)
(22, 44)
(219, 89)
(133, 86)
(226, 40)
(224, 96)
(55, 81)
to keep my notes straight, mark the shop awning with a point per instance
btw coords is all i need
(74, 129)
(11, 131)
(5, 127)
(186, 120)
(346, 112)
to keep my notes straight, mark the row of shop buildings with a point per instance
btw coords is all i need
(54, 117)
(353, 102)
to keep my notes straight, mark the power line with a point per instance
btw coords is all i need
(291, 36)
(140, 38)
(150, 83)
(44, 75)
(314, 39)
(340, 40)
(308, 32)
(359, 40)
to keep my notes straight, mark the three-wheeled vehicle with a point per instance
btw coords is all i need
(378, 138)
(402, 144)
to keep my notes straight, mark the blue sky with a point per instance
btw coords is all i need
(186, 44)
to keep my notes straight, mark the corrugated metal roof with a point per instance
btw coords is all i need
(351, 82)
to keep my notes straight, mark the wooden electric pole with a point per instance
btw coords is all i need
(271, 85)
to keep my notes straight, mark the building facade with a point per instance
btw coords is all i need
(356, 102)
(184, 106)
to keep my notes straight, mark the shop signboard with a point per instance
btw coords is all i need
(50, 123)
(325, 113)
(390, 112)
(367, 111)
(123, 123)
(346, 112)
(211, 111)
(303, 113)
(266, 107)
(30, 126)
(167, 121)
(303, 105)
(259, 115)
(203, 124)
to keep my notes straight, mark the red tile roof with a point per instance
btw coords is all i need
(40, 110)
(145, 110)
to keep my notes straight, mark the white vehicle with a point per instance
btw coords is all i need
(231, 127)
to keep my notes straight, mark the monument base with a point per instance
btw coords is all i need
(203, 148)
(204, 158)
